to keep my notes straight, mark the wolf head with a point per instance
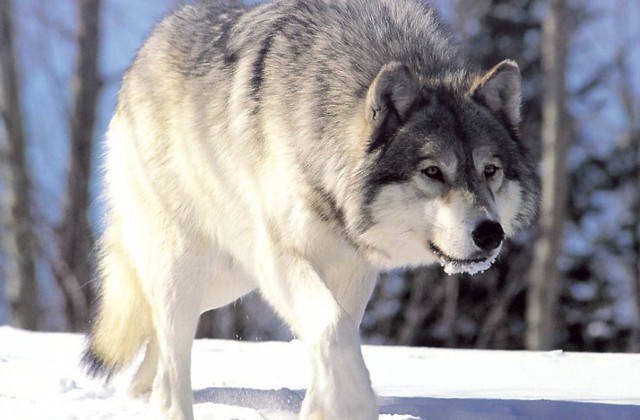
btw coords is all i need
(447, 178)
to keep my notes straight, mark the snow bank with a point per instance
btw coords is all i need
(40, 379)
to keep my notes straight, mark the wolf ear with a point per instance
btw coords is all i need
(499, 90)
(390, 100)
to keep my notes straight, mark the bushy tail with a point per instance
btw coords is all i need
(122, 323)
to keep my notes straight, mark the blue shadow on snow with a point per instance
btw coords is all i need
(432, 408)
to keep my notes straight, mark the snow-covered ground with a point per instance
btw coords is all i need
(40, 379)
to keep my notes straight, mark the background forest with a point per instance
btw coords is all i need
(571, 282)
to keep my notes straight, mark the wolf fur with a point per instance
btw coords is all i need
(299, 148)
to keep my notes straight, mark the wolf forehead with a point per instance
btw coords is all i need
(447, 126)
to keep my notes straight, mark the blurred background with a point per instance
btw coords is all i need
(572, 281)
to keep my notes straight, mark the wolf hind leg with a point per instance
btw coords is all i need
(228, 283)
(174, 277)
(143, 379)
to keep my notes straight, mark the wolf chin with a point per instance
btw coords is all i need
(298, 148)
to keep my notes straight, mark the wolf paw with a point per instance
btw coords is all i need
(350, 407)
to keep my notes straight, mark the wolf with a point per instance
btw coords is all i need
(300, 148)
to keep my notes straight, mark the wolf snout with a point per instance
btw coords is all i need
(488, 235)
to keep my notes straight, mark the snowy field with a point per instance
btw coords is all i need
(40, 379)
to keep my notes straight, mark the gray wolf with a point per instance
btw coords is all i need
(298, 147)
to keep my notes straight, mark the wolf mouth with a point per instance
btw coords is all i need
(448, 259)
(455, 265)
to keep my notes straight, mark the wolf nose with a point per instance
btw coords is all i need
(488, 235)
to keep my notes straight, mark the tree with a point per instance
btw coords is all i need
(18, 239)
(628, 93)
(75, 267)
(545, 277)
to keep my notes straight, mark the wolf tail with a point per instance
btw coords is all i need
(122, 323)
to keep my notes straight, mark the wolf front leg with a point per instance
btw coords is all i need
(340, 388)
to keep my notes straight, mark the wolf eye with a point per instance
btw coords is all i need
(434, 172)
(490, 170)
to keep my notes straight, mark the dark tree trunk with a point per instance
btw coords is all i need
(545, 278)
(75, 267)
(18, 238)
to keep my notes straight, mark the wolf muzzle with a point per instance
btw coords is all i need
(488, 235)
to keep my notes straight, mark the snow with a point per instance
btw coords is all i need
(40, 379)
(455, 267)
